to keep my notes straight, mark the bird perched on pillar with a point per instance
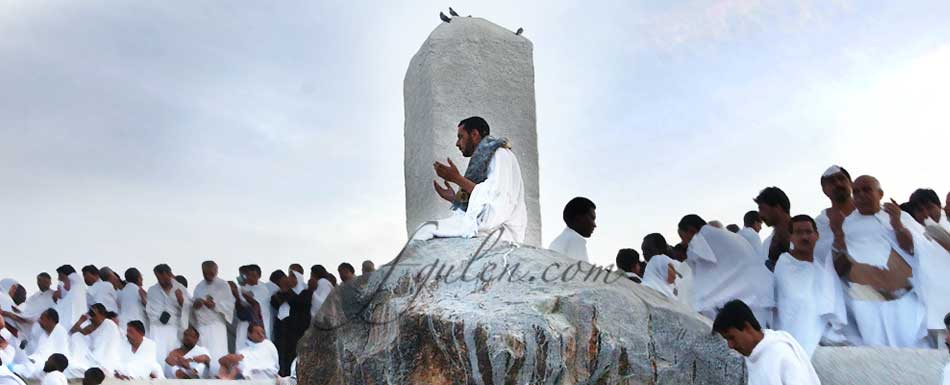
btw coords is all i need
(519, 31)
(444, 18)
(452, 12)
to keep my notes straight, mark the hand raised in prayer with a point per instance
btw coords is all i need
(180, 297)
(447, 171)
(893, 210)
(209, 302)
(57, 295)
(446, 193)
(835, 219)
(234, 289)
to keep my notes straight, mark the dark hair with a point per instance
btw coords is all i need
(182, 280)
(137, 325)
(93, 376)
(91, 269)
(52, 314)
(922, 196)
(104, 273)
(802, 218)
(946, 320)
(255, 268)
(276, 276)
(733, 227)
(65, 270)
(162, 269)
(627, 258)
(347, 267)
(44, 275)
(653, 244)
(254, 324)
(909, 207)
(734, 315)
(296, 267)
(319, 271)
(98, 308)
(691, 222)
(575, 207)
(60, 362)
(19, 294)
(132, 275)
(750, 218)
(475, 123)
(774, 196)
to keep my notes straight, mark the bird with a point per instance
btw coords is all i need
(519, 31)
(444, 18)
(452, 12)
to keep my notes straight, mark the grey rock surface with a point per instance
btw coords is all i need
(403, 325)
(879, 366)
(466, 68)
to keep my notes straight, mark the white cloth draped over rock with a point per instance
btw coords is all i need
(260, 361)
(44, 345)
(99, 349)
(212, 324)
(571, 244)
(102, 292)
(499, 201)
(130, 306)
(725, 267)
(166, 335)
(654, 276)
(141, 363)
(808, 303)
(72, 302)
(896, 323)
(324, 287)
(779, 360)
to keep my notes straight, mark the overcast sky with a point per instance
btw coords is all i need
(135, 133)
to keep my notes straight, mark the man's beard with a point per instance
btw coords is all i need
(840, 195)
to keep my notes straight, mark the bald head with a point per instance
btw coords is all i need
(867, 194)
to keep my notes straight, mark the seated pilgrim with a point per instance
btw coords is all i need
(580, 216)
(772, 357)
(875, 253)
(52, 339)
(490, 195)
(190, 360)
(138, 355)
(661, 271)
(53, 370)
(94, 344)
(258, 360)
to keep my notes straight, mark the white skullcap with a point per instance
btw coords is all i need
(834, 169)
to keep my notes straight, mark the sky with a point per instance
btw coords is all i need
(137, 133)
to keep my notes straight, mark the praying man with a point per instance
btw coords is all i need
(166, 300)
(773, 357)
(257, 360)
(189, 361)
(213, 311)
(138, 355)
(491, 193)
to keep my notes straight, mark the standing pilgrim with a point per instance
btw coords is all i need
(774, 209)
(580, 216)
(255, 296)
(934, 262)
(53, 370)
(293, 308)
(752, 223)
(70, 295)
(346, 271)
(875, 253)
(772, 357)
(166, 300)
(725, 268)
(324, 286)
(99, 291)
(213, 312)
(808, 301)
(491, 193)
(132, 299)
(660, 273)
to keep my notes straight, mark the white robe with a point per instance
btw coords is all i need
(946, 374)
(779, 360)
(320, 294)
(725, 267)
(165, 335)
(261, 294)
(202, 369)
(99, 349)
(933, 277)
(753, 237)
(260, 361)
(499, 201)
(808, 305)
(896, 323)
(655, 273)
(45, 345)
(212, 324)
(130, 306)
(140, 364)
(571, 244)
(72, 302)
(103, 292)
(8, 378)
(684, 285)
(54, 378)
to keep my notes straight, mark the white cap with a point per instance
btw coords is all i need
(834, 169)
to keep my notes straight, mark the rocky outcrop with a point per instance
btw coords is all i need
(444, 314)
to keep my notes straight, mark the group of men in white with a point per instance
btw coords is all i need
(95, 322)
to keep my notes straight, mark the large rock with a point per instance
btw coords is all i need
(879, 366)
(465, 68)
(403, 325)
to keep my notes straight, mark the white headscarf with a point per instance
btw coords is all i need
(6, 284)
(655, 274)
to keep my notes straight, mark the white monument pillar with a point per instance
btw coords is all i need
(469, 67)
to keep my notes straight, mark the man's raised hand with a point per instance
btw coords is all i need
(448, 172)
(446, 192)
